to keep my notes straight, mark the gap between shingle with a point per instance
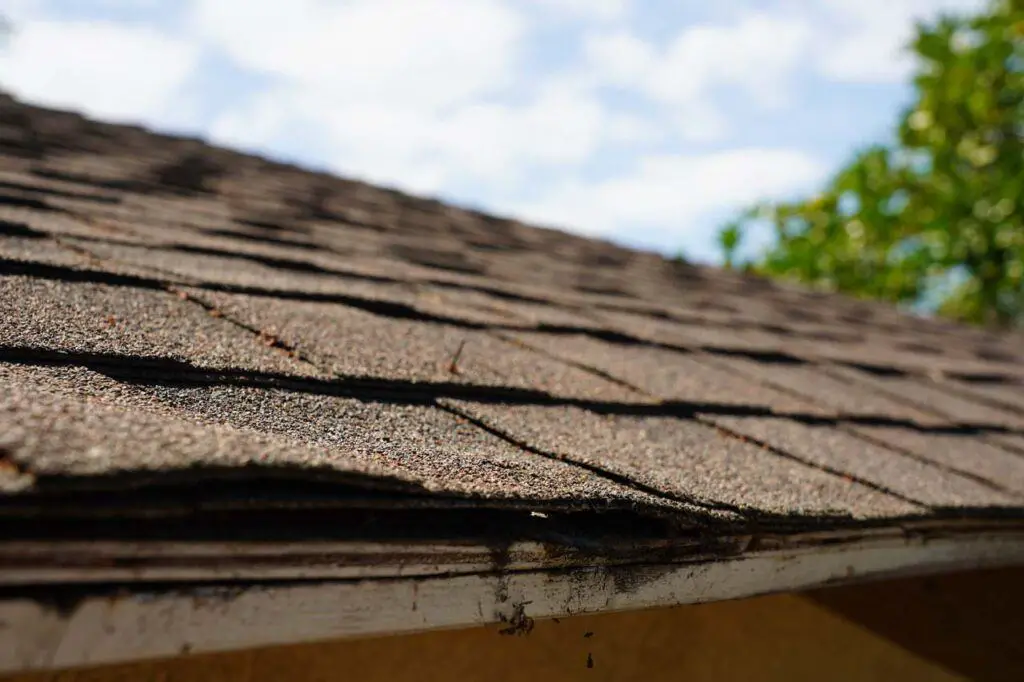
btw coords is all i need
(838, 423)
(402, 311)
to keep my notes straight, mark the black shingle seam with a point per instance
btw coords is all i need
(756, 519)
(173, 372)
(779, 452)
(81, 179)
(931, 462)
(709, 505)
(303, 267)
(270, 340)
(36, 270)
(29, 202)
(981, 378)
(572, 363)
(437, 403)
(953, 428)
(273, 226)
(377, 307)
(994, 402)
(411, 312)
(9, 228)
(703, 417)
(58, 193)
(849, 422)
(710, 360)
(390, 309)
(156, 370)
(66, 274)
(265, 239)
(923, 406)
(843, 422)
(384, 308)
(403, 311)
(296, 265)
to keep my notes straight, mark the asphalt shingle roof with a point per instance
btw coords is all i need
(171, 313)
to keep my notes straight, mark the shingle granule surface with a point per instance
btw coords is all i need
(177, 316)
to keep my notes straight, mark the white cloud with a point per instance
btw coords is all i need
(109, 70)
(667, 194)
(372, 141)
(415, 92)
(483, 141)
(426, 54)
(865, 40)
(618, 57)
(17, 11)
(595, 10)
(755, 55)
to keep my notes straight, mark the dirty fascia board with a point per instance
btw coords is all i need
(156, 620)
(27, 563)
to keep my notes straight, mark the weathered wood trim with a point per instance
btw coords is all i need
(107, 627)
(24, 563)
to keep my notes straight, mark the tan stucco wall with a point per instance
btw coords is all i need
(782, 637)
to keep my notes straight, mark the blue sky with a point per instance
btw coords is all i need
(647, 123)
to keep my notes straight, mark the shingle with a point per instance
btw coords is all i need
(394, 301)
(317, 275)
(677, 376)
(22, 245)
(842, 452)
(34, 250)
(230, 238)
(966, 454)
(357, 343)
(888, 357)
(48, 222)
(238, 271)
(813, 384)
(528, 291)
(686, 459)
(72, 422)
(1012, 441)
(1011, 395)
(695, 335)
(51, 186)
(667, 374)
(286, 257)
(515, 312)
(935, 397)
(126, 322)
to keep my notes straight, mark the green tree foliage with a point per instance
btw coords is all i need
(940, 213)
(729, 238)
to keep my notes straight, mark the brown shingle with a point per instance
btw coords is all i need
(687, 460)
(962, 453)
(935, 397)
(123, 323)
(328, 323)
(839, 451)
(73, 423)
(357, 343)
(812, 383)
(668, 374)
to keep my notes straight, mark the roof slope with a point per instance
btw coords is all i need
(192, 333)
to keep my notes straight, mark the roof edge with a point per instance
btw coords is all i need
(149, 621)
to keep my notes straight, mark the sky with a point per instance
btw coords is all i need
(646, 122)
